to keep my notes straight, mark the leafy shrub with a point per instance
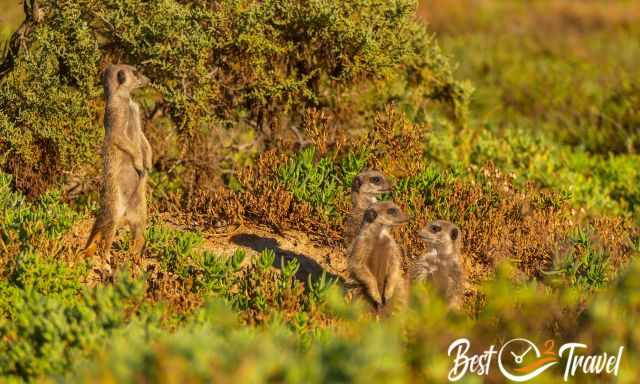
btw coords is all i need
(45, 332)
(49, 319)
(172, 248)
(407, 348)
(48, 277)
(47, 123)
(312, 180)
(219, 63)
(26, 226)
(588, 267)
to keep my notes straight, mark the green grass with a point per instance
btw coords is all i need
(575, 81)
(556, 106)
(312, 180)
(608, 184)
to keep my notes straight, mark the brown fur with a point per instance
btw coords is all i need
(366, 188)
(441, 265)
(127, 160)
(376, 258)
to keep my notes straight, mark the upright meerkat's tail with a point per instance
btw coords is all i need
(92, 243)
(94, 237)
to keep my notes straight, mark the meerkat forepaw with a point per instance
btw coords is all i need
(387, 297)
(140, 172)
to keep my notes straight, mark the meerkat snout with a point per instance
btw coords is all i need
(132, 79)
(127, 78)
(142, 80)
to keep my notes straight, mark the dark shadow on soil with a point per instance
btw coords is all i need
(308, 266)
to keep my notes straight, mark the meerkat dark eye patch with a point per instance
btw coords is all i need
(122, 77)
(392, 211)
(370, 216)
(375, 179)
(357, 183)
(454, 234)
(436, 228)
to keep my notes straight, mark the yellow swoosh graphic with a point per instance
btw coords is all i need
(535, 364)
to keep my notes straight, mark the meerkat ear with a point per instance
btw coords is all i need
(357, 183)
(370, 216)
(454, 234)
(122, 77)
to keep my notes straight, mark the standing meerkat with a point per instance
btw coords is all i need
(376, 258)
(366, 188)
(127, 160)
(441, 263)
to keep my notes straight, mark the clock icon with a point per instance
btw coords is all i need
(513, 353)
(520, 359)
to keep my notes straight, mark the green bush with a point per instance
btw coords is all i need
(49, 319)
(215, 63)
(25, 224)
(45, 331)
(411, 347)
(174, 249)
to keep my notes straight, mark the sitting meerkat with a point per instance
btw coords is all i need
(376, 258)
(127, 161)
(366, 188)
(441, 264)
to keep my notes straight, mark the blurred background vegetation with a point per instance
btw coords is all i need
(518, 120)
(12, 16)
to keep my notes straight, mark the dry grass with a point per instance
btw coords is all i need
(545, 17)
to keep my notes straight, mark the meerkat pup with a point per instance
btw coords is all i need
(127, 160)
(376, 258)
(441, 264)
(366, 188)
